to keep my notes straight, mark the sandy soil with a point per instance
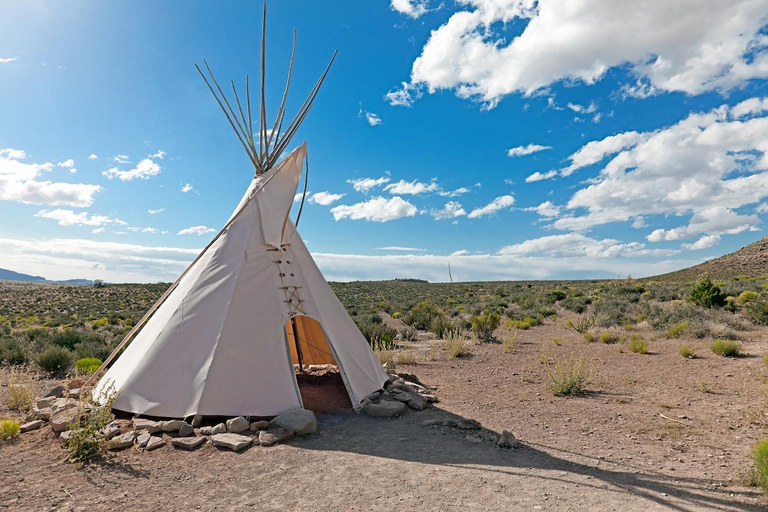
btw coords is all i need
(609, 450)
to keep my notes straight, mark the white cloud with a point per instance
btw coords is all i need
(155, 211)
(398, 248)
(196, 230)
(412, 188)
(6, 60)
(462, 252)
(96, 231)
(68, 164)
(411, 8)
(763, 208)
(365, 184)
(690, 46)
(187, 187)
(539, 176)
(145, 170)
(547, 209)
(325, 198)
(70, 218)
(93, 156)
(19, 181)
(377, 209)
(581, 109)
(451, 210)
(707, 160)
(526, 150)
(122, 159)
(577, 245)
(159, 155)
(704, 242)
(372, 119)
(144, 230)
(453, 193)
(717, 220)
(403, 97)
(494, 206)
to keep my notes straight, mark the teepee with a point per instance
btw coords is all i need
(226, 337)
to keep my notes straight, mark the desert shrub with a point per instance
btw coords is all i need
(87, 365)
(760, 458)
(484, 325)
(54, 359)
(726, 348)
(508, 344)
(707, 294)
(396, 315)
(756, 311)
(582, 324)
(67, 338)
(525, 323)
(589, 337)
(568, 377)
(101, 322)
(457, 347)
(17, 397)
(86, 440)
(441, 325)
(677, 330)
(637, 345)
(93, 349)
(556, 295)
(405, 357)
(8, 429)
(576, 304)
(408, 334)
(687, 351)
(608, 337)
(12, 352)
(747, 296)
(421, 315)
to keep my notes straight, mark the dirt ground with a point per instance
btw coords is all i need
(609, 450)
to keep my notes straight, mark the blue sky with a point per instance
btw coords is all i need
(513, 139)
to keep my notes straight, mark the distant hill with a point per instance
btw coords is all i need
(10, 275)
(749, 261)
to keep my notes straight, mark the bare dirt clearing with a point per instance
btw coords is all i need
(608, 450)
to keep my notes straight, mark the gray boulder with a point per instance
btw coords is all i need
(173, 425)
(274, 436)
(206, 431)
(65, 436)
(300, 421)
(46, 403)
(61, 420)
(111, 430)
(154, 443)
(186, 430)
(73, 393)
(187, 443)
(56, 392)
(234, 442)
(507, 440)
(237, 425)
(123, 441)
(32, 425)
(385, 409)
(144, 424)
(259, 425)
(219, 429)
(143, 439)
(197, 420)
(41, 414)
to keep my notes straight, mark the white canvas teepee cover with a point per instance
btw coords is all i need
(217, 345)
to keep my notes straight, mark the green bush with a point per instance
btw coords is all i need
(54, 360)
(421, 315)
(87, 365)
(677, 330)
(568, 377)
(441, 325)
(637, 345)
(706, 294)
(582, 324)
(12, 352)
(86, 434)
(525, 323)
(726, 348)
(67, 338)
(687, 351)
(756, 311)
(484, 325)
(8, 429)
(747, 296)
(608, 338)
(760, 457)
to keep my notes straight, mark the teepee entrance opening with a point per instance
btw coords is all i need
(317, 373)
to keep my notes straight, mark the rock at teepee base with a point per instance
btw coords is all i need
(187, 443)
(155, 442)
(300, 421)
(274, 436)
(234, 442)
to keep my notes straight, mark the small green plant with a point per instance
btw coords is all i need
(408, 333)
(608, 337)
(582, 324)
(524, 324)
(687, 351)
(637, 345)
(568, 377)
(746, 296)
(54, 360)
(441, 325)
(726, 348)
(484, 325)
(589, 337)
(677, 330)
(86, 432)
(756, 311)
(457, 346)
(706, 294)
(760, 458)
(557, 341)
(396, 315)
(87, 365)
(8, 429)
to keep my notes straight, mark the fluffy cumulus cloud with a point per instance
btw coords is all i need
(373, 119)
(547, 209)
(405, 96)
(68, 164)
(454, 193)
(196, 230)
(498, 204)
(93, 156)
(70, 218)
(324, 198)
(376, 209)
(21, 181)
(704, 242)
(411, 8)
(187, 187)
(451, 210)
(412, 188)
(526, 150)
(691, 46)
(577, 245)
(706, 165)
(146, 169)
(365, 184)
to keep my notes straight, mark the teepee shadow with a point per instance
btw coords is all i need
(406, 439)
